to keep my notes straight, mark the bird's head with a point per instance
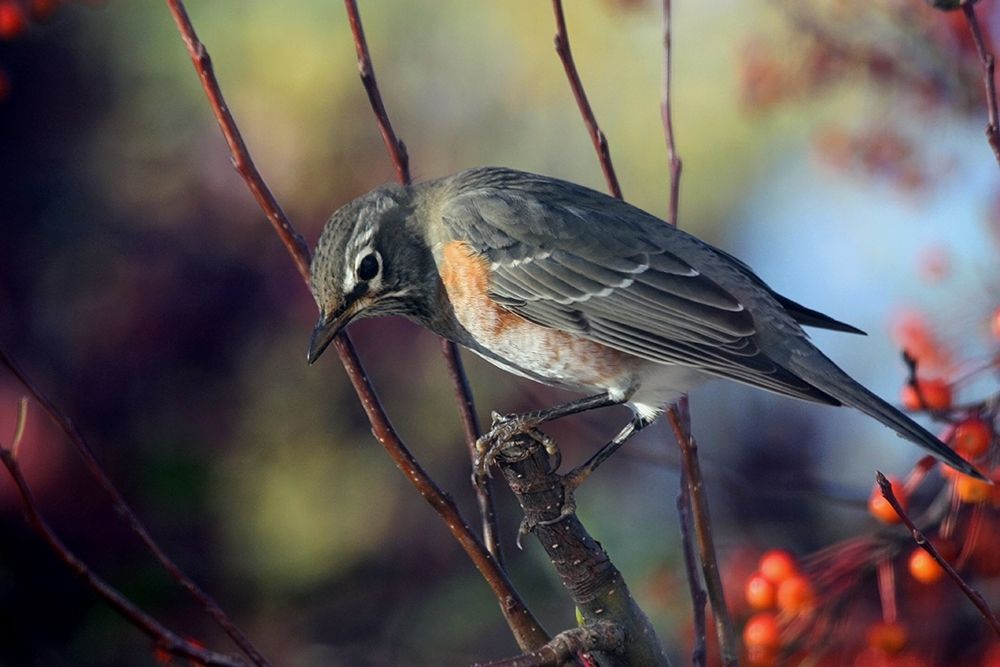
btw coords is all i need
(370, 260)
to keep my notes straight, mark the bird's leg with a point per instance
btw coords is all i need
(579, 474)
(506, 427)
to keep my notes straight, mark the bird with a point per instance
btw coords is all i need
(573, 288)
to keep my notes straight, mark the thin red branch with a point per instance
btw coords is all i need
(989, 81)
(123, 509)
(699, 654)
(165, 639)
(886, 488)
(463, 392)
(680, 415)
(242, 161)
(524, 626)
(393, 144)
(680, 423)
(666, 114)
(596, 135)
(470, 424)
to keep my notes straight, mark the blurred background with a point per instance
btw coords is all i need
(837, 146)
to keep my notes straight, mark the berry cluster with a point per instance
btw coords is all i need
(880, 599)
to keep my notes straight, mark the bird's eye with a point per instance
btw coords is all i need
(368, 267)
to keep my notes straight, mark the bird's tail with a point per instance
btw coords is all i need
(832, 380)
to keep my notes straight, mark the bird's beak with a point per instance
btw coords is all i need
(325, 331)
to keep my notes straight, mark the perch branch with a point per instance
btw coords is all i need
(595, 584)
(525, 628)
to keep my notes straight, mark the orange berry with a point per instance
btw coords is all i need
(995, 324)
(795, 595)
(887, 637)
(12, 20)
(971, 490)
(935, 394)
(923, 567)
(759, 592)
(761, 632)
(880, 508)
(777, 565)
(972, 437)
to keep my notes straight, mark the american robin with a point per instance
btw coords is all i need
(570, 287)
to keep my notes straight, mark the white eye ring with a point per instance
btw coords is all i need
(369, 266)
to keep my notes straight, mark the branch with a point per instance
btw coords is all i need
(595, 584)
(987, 60)
(564, 647)
(526, 629)
(680, 423)
(165, 639)
(596, 135)
(393, 144)
(886, 487)
(244, 164)
(666, 114)
(698, 597)
(123, 509)
(463, 393)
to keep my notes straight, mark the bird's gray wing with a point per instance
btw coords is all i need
(597, 267)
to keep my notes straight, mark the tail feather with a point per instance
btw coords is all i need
(835, 382)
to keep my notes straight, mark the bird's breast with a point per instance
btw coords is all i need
(519, 345)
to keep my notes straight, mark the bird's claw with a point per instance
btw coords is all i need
(502, 431)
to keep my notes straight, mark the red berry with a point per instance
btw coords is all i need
(12, 20)
(972, 437)
(795, 595)
(923, 567)
(762, 632)
(880, 508)
(4, 85)
(777, 565)
(759, 592)
(934, 394)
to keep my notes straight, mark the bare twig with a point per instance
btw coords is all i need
(698, 598)
(244, 164)
(526, 629)
(989, 81)
(680, 423)
(463, 392)
(886, 488)
(393, 144)
(123, 509)
(693, 483)
(666, 114)
(596, 135)
(470, 423)
(165, 639)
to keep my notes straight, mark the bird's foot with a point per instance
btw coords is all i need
(502, 431)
